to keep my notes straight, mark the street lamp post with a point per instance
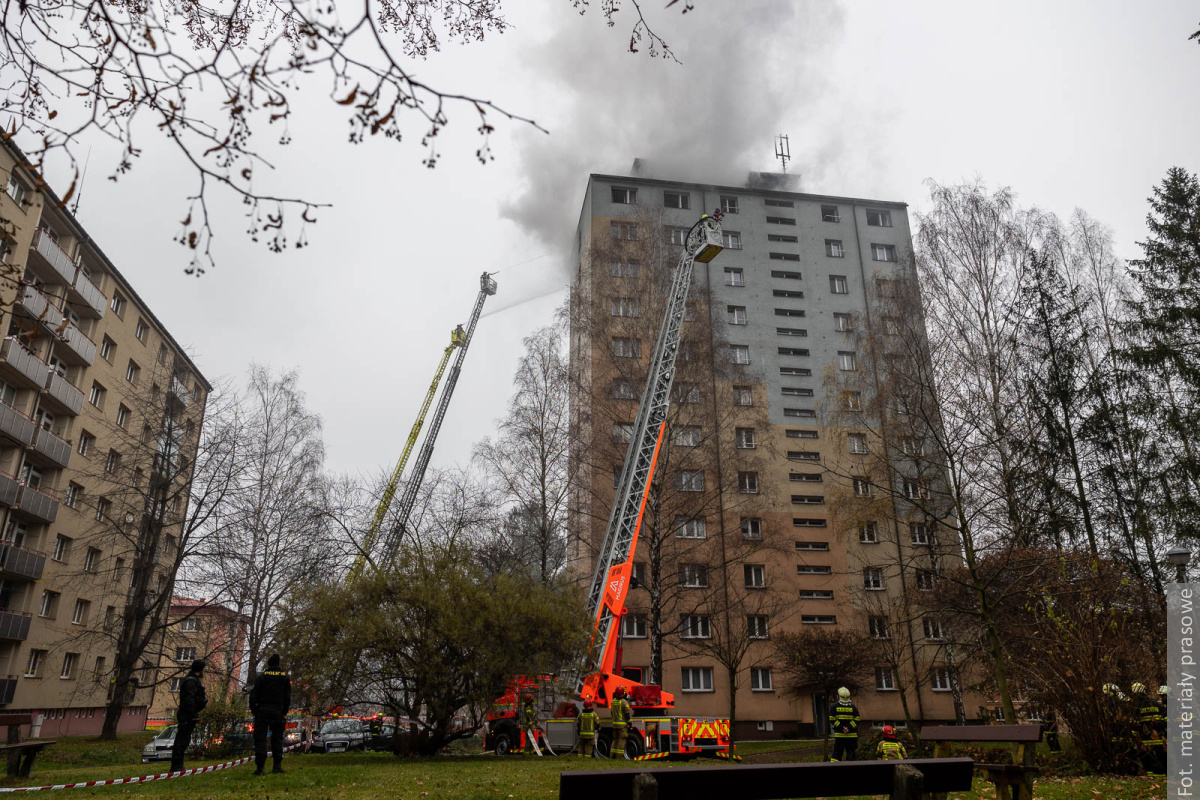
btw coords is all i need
(1179, 557)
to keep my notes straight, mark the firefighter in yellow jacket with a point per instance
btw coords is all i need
(888, 748)
(622, 712)
(843, 721)
(587, 730)
(529, 718)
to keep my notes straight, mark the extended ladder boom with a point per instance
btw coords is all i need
(457, 337)
(487, 288)
(610, 581)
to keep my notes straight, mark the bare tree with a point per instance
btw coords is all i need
(84, 69)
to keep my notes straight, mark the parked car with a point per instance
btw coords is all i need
(381, 737)
(159, 748)
(340, 735)
(239, 739)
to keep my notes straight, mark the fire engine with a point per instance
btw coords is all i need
(655, 731)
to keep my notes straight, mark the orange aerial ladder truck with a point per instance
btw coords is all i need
(654, 731)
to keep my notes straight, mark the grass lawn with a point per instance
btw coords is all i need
(364, 776)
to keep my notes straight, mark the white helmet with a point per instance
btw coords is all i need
(1110, 689)
(1138, 688)
(1164, 689)
(844, 693)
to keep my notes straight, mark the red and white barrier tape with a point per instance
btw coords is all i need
(142, 779)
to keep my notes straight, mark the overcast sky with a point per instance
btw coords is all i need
(1070, 103)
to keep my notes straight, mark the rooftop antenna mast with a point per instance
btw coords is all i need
(782, 151)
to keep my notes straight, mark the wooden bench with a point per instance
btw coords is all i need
(915, 779)
(21, 755)
(1013, 781)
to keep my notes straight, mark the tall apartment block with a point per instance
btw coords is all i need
(749, 535)
(100, 410)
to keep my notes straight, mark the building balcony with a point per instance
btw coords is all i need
(62, 397)
(8, 689)
(17, 562)
(8, 489)
(14, 625)
(34, 304)
(79, 348)
(16, 425)
(50, 262)
(19, 366)
(86, 297)
(52, 448)
(180, 392)
(37, 505)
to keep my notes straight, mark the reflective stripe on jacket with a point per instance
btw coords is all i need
(843, 720)
(890, 750)
(587, 725)
(622, 712)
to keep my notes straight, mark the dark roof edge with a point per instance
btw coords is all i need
(765, 192)
(23, 161)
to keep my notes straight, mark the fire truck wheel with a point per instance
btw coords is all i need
(634, 746)
(502, 745)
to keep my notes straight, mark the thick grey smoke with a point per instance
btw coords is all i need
(712, 118)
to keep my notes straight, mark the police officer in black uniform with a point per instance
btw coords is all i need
(270, 700)
(192, 700)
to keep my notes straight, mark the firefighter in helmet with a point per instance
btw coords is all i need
(843, 721)
(587, 730)
(1122, 722)
(622, 712)
(529, 718)
(888, 748)
(1152, 745)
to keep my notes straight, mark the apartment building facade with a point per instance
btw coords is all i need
(759, 531)
(200, 629)
(100, 410)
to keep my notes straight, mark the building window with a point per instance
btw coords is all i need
(622, 432)
(622, 389)
(107, 346)
(96, 397)
(62, 548)
(925, 580)
(80, 615)
(813, 547)
(751, 528)
(625, 307)
(748, 482)
(772, 202)
(34, 664)
(796, 433)
(830, 214)
(16, 190)
(852, 401)
(939, 679)
(677, 236)
(743, 396)
(755, 575)
(873, 578)
(862, 487)
(624, 231)
(729, 204)
(140, 331)
(781, 220)
(834, 249)
(818, 619)
(885, 679)
(132, 372)
(808, 500)
(778, 273)
(122, 416)
(816, 594)
(624, 196)
(113, 462)
(734, 277)
(623, 269)
(689, 481)
(919, 532)
(879, 219)
(101, 509)
(633, 626)
(732, 240)
(795, 391)
(802, 455)
(744, 438)
(686, 393)
(838, 285)
(847, 361)
(686, 528)
(885, 287)
(780, 237)
(868, 533)
(49, 606)
(190, 625)
(639, 574)
(800, 412)
(933, 629)
(694, 576)
(90, 559)
(627, 348)
(185, 655)
(736, 314)
(756, 626)
(110, 617)
(739, 354)
(878, 627)
(686, 436)
(695, 626)
(883, 252)
(789, 312)
(679, 200)
(760, 679)
(792, 332)
(117, 304)
(812, 569)
(696, 679)
(914, 490)
(843, 323)
(174, 687)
